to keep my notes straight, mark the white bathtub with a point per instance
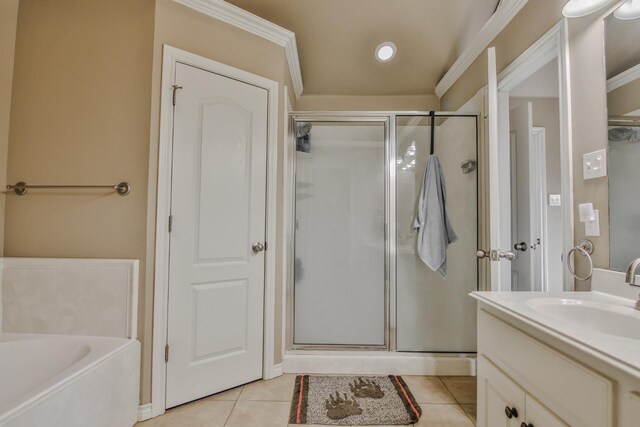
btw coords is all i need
(65, 380)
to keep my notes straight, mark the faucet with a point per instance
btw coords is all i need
(631, 277)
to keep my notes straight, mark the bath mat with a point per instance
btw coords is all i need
(353, 400)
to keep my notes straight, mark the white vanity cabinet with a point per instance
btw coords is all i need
(503, 403)
(522, 382)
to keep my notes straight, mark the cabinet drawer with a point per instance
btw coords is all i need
(579, 395)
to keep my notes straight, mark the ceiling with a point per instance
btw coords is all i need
(336, 41)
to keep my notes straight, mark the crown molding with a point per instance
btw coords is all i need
(623, 78)
(251, 23)
(489, 31)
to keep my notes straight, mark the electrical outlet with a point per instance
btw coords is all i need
(595, 164)
(592, 228)
(555, 200)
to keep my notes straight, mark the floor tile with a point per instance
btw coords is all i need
(276, 390)
(428, 389)
(443, 416)
(232, 395)
(472, 411)
(464, 389)
(202, 413)
(256, 413)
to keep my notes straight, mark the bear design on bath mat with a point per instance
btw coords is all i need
(339, 408)
(363, 389)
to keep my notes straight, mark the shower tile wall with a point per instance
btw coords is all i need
(435, 314)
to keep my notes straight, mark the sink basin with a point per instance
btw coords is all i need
(605, 318)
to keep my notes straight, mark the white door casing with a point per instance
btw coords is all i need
(171, 58)
(216, 280)
(521, 125)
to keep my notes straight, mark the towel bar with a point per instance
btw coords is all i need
(21, 188)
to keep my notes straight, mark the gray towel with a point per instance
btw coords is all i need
(435, 232)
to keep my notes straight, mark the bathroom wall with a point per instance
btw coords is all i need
(186, 29)
(85, 110)
(368, 103)
(588, 98)
(8, 23)
(589, 129)
(80, 115)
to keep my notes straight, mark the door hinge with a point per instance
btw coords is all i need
(166, 353)
(170, 223)
(175, 88)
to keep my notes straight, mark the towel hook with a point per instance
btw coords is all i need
(433, 131)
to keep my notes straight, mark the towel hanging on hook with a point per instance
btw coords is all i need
(433, 131)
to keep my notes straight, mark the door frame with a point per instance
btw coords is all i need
(554, 44)
(171, 56)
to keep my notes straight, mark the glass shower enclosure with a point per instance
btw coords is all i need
(356, 280)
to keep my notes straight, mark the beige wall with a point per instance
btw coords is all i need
(368, 103)
(589, 128)
(625, 99)
(183, 28)
(85, 109)
(8, 24)
(80, 115)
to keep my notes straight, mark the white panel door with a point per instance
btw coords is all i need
(216, 279)
(521, 124)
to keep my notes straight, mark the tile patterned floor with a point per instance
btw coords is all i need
(445, 402)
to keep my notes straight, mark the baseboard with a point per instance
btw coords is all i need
(144, 412)
(376, 363)
(277, 370)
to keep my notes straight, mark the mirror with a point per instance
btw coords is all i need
(622, 51)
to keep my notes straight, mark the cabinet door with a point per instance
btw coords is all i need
(537, 415)
(501, 402)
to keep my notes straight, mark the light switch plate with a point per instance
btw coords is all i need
(592, 228)
(594, 164)
(555, 200)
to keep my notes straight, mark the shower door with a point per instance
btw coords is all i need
(340, 257)
(434, 313)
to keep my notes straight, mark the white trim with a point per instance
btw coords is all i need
(144, 412)
(287, 214)
(538, 150)
(171, 56)
(623, 78)
(379, 363)
(278, 370)
(489, 31)
(554, 44)
(253, 24)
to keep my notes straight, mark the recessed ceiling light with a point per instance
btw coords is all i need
(385, 52)
(580, 8)
(629, 10)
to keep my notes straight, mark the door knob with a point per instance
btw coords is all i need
(509, 256)
(511, 412)
(257, 247)
(521, 246)
(482, 254)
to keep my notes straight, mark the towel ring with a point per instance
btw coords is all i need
(586, 249)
